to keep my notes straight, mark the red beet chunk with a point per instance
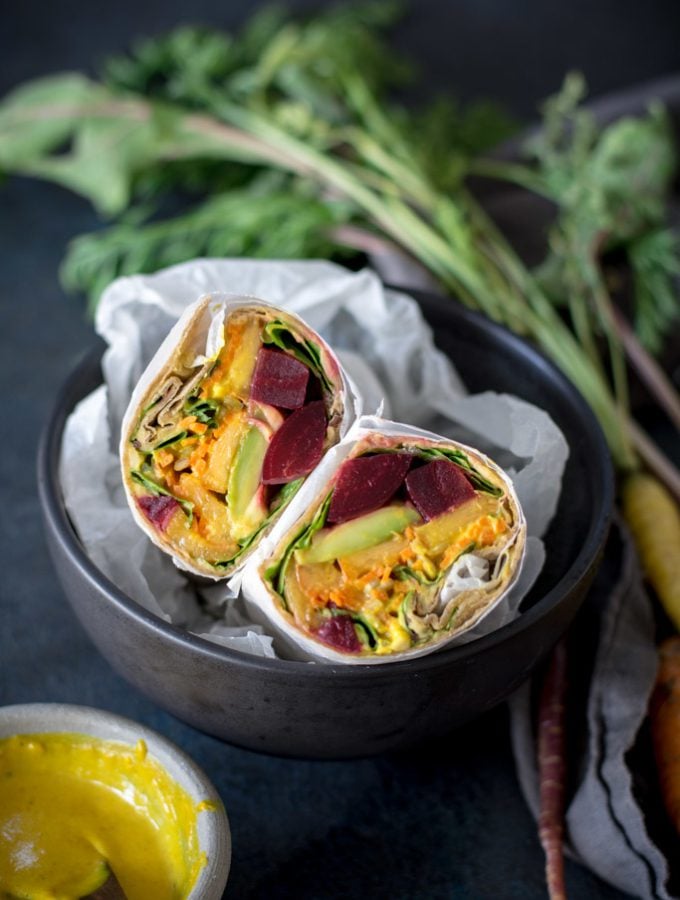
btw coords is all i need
(437, 488)
(367, 483)
(297, 446)
(339, 632)
(158, 510)
(279, 380)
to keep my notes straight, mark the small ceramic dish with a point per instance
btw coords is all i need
(214, 836)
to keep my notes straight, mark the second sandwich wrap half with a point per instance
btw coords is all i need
(410, 542)
(236, 408)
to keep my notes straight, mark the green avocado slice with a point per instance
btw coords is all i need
(244, 482)
(357, 534)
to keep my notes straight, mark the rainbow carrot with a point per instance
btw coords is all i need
(654, 520)
(665, 720)
(552, 770)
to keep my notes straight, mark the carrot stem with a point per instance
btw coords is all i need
(650, 372)
(665, 721)
(552, 770)
(655, 459)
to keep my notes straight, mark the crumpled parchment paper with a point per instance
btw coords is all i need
(387, 348)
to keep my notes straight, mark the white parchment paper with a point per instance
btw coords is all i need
(388, 350)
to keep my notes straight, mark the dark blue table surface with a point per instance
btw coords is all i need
(444, 820)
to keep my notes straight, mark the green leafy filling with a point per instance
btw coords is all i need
(175, 438)
(284, 497)
(276, 573)
(204, 410)
(365, 633)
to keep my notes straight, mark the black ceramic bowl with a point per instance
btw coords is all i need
(328, 711)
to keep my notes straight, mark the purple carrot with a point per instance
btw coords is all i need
(552, 770)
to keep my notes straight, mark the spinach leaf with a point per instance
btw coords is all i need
(173, 439)
(286, 494)
(276, 573)
(204, 410)
(364, 631)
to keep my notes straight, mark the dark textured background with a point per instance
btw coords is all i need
(443, 821)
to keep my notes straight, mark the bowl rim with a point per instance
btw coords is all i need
(213, 832)
(56, 516)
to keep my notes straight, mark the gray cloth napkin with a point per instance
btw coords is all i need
(605, 825)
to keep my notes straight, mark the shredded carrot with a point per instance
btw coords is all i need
(191, 423)
(654, 520)
(170, 477)
(164, 458)
(552, 770)
(199, 453)
(363, 580)
(665, 722)
(407, 554)
(385, 575)
(318, 599)
(452, 553)
(200, 467)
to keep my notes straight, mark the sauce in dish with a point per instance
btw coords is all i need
(71, 806)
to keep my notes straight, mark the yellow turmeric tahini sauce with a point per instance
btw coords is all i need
(70, 804)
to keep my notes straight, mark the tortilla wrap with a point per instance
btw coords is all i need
(347, 593)
(194, 441)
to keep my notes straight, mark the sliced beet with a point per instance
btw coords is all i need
(297, 446)
(367, 483)
(279, 380)
(339, 632)
(438, 487)
(158, 510)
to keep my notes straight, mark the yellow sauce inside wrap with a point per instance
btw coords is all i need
(72, 807)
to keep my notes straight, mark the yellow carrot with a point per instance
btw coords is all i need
(665, 719)
(654, 520)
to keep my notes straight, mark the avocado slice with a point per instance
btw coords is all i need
(246, 502)
(441, 531)
(357, 534)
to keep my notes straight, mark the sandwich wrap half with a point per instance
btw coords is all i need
(237, 407)
(408, 541)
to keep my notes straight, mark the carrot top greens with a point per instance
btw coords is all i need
(292, 121)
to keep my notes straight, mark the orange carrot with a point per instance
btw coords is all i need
(552, 770)
(665, 721)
